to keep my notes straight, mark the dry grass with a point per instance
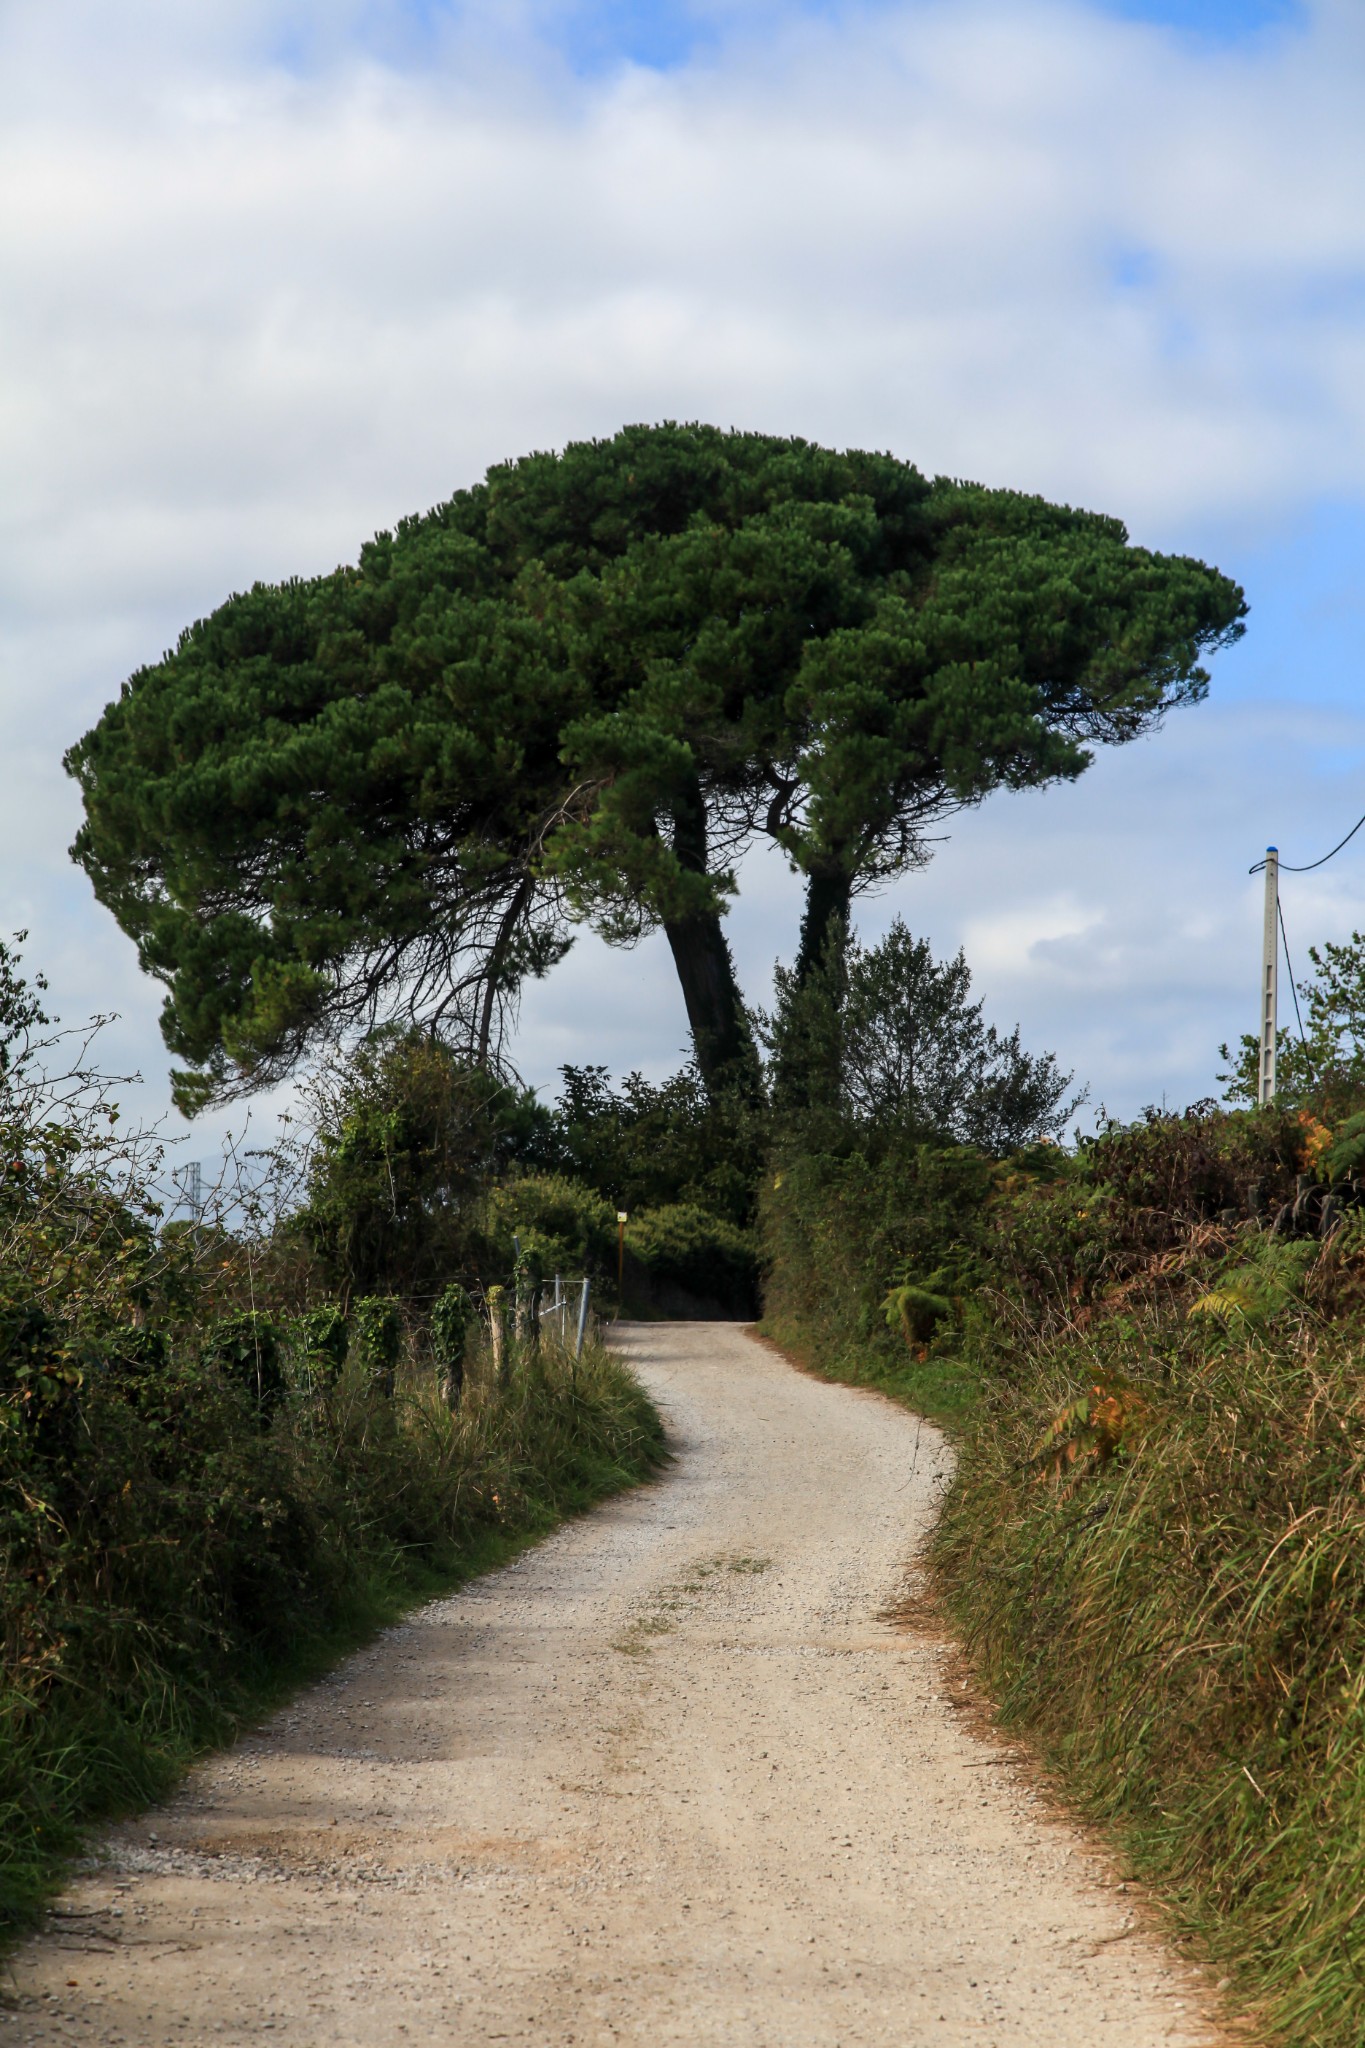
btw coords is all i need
(1181, 1626)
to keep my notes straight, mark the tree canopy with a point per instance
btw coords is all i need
(577, 692)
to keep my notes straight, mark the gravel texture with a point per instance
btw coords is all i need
(674, 1777)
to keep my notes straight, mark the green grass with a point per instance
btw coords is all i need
(141, 1650)
(1182, 1633)
(941, 1388)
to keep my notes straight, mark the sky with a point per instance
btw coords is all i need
(273, 275)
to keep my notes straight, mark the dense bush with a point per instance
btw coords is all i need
(567, 1227)
(693, 1261)
(403, 1139)
(647, 1145)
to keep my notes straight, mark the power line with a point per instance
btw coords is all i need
(1290, 965)
(1309, 866)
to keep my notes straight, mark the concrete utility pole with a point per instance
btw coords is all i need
(1270, 958)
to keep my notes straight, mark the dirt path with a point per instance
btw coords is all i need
(670, 1779)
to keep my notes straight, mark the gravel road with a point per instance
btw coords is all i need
(671, 1778)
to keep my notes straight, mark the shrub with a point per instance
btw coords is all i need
(568, 1228)
(451, 1319)
(321, 1341)
(246, 1350)
(683, 1248)
(377, 1339)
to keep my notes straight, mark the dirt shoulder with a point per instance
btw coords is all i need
(674, 1777)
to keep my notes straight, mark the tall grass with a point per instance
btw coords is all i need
(1154, 1546)
(173, 1567)
(1183, 1632)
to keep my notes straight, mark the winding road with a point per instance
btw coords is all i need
(674, 1777)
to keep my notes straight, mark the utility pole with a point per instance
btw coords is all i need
(1270, 958)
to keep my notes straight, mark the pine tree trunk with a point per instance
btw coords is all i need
(829, 896)
(715, 1009)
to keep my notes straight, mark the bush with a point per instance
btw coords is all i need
(686, 1251)
(647, 1145)
(246, 1350)
(376, 1325)
(568, 1228)
(405, 1136)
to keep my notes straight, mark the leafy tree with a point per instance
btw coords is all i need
(642, 1144)
(1324, 1069)
(405, 1135)
(887, 1039)
(579, 691)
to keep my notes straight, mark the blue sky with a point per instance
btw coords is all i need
(596, 36)
(275, 275)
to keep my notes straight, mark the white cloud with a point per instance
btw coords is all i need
(1007, 943)
(252, 313)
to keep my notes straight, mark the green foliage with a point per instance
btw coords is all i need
(1263, 1279)
(840, 1233)
(679, 1253)
(1165, 1171)
(587, 684)
(1344, 1158)
(405, 1136)
(322, 1340)
(451, 1321)
(568, 1227)
(884, 1040)
(246, 1350)
(641, 1145)
(376, 1323)
(917, 1310)
(683, 1248)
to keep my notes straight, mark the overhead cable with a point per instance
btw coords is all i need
(1289, 966)
(1309, 866)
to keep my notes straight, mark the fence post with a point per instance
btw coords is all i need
(497, 1331)
(582, 1319)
